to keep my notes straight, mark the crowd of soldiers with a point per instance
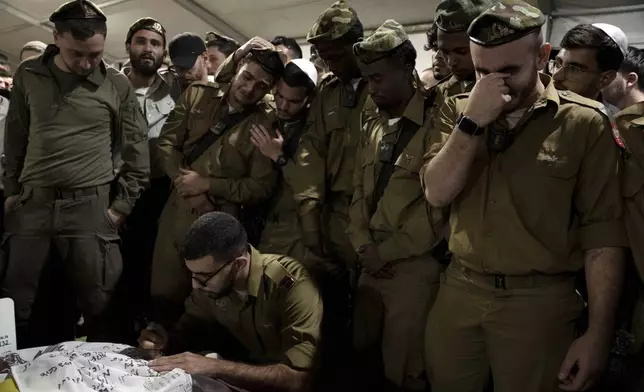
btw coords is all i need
(344, 223)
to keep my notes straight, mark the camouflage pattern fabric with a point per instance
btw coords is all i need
(333, 23)
(381, 42)
(454, 16)
(504, 22)
(77, 9)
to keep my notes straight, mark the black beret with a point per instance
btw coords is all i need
(77, 9)
(145, 24)
(269, 60)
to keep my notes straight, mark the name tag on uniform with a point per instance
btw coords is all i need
(348, 97)
(386, 153)
(498, 140)
(218, 128)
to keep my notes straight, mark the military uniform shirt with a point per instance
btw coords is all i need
(551, 195)
(279, 322)
(446, 88)
(61, 131)
(327, 151)
(402, 213)
(238, 172)
(630, 123)
(157, 102)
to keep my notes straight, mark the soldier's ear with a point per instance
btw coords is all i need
(127, 49)
(606, 78)
(631, 79)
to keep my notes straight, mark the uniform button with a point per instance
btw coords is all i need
(492, 201)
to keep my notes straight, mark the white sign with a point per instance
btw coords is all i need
(8, 342)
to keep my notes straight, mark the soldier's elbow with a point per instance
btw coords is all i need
(435, 199)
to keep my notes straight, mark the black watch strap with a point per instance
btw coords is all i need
(281, 161)
(469, 126)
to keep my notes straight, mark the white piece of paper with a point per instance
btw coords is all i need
(8, 343)
(86, 368)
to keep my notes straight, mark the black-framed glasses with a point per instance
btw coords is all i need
(570, 71)
(207, 277)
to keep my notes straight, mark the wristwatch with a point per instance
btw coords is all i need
(281, 161)
(469, 126)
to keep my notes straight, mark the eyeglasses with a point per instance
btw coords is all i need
(207, 277)
(570, 71)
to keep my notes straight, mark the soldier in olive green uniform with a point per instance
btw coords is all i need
(627, 94)
(206, 149)
(531, 177)
(67, 112)
(392, 226)
(323, 184)
(245, 306)
(453, 17)
(156, 90)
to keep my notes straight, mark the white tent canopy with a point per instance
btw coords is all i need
(26, 20)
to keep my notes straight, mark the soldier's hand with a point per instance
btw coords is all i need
(188, 362)
(9, 201)
(116, 218)
(584, 363)
(254, 43)
(190, 183)
(154, 338)
(372, 264)
(269, 146)
(487, 99)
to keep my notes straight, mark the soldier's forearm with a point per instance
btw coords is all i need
(261, 378)
(447, 173)
(604, 276)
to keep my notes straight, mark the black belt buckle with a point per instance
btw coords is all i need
(499, 282)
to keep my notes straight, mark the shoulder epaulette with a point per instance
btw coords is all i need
(638, 121)
(578, 99)
(205, 84)
(328, 79)
(277, 273)
(460, 96)
(119, 80)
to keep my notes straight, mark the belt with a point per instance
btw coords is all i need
(511, 282)
(62, 193)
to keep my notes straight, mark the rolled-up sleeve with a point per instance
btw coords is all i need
(301, 320)
(598, 198)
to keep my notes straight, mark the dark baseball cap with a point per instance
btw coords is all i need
(185, 48)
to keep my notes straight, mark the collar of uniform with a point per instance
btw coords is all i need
(415, 110)
(40, 66)
(156, 84)
(550, 93)
(256, 272)
(636, 110)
